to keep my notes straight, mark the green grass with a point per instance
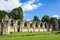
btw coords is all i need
(37, 36)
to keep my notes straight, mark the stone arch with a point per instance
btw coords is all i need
(46, 25)
(19, 23)
(41, 25)
(36, 24)
(49, 26)
(18, 29)
(25, 24)
(30, 25)
(12, 23)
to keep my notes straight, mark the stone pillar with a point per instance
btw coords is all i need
(39, 26)
(8, 27)
(33, 25)
(22, 25)
(56, 23)
(43, 26)
(47, 27)
(28, 25)
(15, 25)
(50, 28)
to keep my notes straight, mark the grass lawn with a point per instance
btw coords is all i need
(31, 36)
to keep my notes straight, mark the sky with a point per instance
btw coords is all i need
(33, 8)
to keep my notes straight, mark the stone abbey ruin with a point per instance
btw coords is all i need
(8, 26)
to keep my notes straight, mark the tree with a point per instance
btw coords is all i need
(2, 14)
(36, 18)
(17, 13)
(46, 18)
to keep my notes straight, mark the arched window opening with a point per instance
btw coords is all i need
(31, 25)
(36, 25)
(45, 25)
(41, 25)
(11, 23)
(19, 23)
(25, 24)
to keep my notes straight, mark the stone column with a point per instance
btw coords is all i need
(28, 25)
(33, 25)
(39, 26)
(22, 25)
(43, 26)
(56, 24)
(15, 25)
(8, 27)
(50, 28)
(47, 27)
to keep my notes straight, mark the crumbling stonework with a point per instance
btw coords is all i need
(9, 25)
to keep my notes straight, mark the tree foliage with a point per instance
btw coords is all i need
(36, 18)
(17, 13)
(51, 20)
(46, 18)
(2, 14)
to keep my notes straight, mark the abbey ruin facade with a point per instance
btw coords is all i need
(10, 25)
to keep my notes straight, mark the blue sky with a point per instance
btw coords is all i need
(33, 8)
(49, 7)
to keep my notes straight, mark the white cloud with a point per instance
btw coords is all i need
(11, 4)
(29, 5)
(57, 16)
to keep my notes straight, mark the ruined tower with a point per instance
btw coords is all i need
(5, 25)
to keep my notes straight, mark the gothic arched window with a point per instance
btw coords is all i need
(41, 25)
(18, 23)
(11, 23)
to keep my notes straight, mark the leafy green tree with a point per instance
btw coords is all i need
(2, 14)
(36, 18)
(17, 13)
(51, 20)
(46, 18)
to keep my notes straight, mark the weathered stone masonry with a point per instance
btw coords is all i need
(9, 25)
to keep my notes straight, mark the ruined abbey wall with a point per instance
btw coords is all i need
(9, 25)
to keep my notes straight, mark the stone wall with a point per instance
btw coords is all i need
(9, 25)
